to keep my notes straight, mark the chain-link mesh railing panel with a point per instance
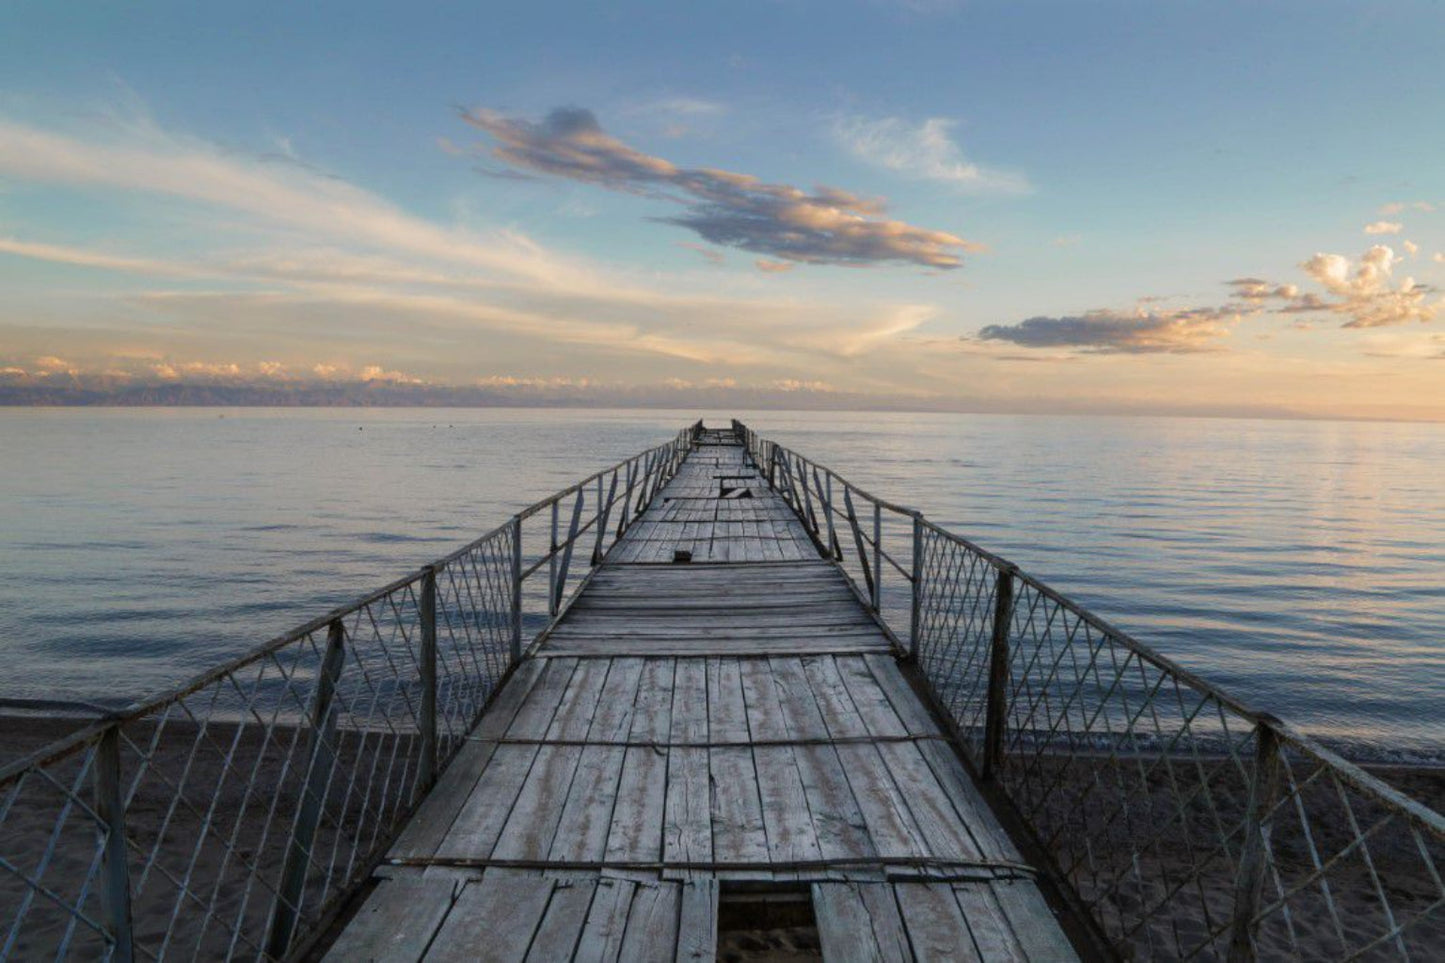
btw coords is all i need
(1348, 873)
(51, 844)
(1136, 782)
(474, 625)
(955, 624)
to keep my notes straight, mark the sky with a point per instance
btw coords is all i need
(1197, 208)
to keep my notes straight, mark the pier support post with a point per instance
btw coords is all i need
(552, 566)
(114, 876)
(996, 714)
(321, 754)
(877, 557)
(916, 607)
(1264, 788)
(426, 773)
(516, 589)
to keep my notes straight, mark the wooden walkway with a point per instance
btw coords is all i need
(724, 728)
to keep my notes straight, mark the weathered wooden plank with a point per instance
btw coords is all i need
(689, 701)
(890, 824)
(880, 900)
(578, 705)
(697, 927)
(935, 924)
(836, 705)
(838, 823)
(473, 834)
(938, 822)
(910, 708)
(560, 929)
(601, 940)
(738, 832)
(537, 710)
(791, 837)
(429, 825)
(1033, 923)
(582, 832)
(726, 710)
(612, 721)
(968, 802)
(687, 822)
(425, 830)
(802, 718)
(702, 648)
(493, 920)
(873, 705)
(990, 929)
(636, 831)
(532, 824)
(499, 715)
(765, 712)
(396, 923)
(652, 923)
(845, 925)
(652, 713)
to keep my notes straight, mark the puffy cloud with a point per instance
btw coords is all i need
(923, 150)
(772, 267)
(1111, 332)
(1411, 248)
(1366, 291)
(827, 226)
(1384, 227)
(1255, 290)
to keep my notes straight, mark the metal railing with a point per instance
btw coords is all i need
(232, 817)
(1185, 824)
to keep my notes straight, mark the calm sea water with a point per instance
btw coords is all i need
(1301, 565)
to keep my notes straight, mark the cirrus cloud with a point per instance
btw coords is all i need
(826, 226)
(925, 151)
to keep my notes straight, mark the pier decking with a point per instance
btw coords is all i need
(713, 689)
(726, 721)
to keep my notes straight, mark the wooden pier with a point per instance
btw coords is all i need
(715, 725)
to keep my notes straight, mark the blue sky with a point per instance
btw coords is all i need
(1036, 205)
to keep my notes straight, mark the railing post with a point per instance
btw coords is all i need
(877, 557)
(916, 608)
(996, 717)
(114, 877)
(426, 774)
(320, 754)
(560, 587)
(858, 539)
(602, 520)
(552, 566)
(516, 589)
(1264, 788)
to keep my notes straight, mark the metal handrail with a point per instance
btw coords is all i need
(1112, 756)
(291, 766)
